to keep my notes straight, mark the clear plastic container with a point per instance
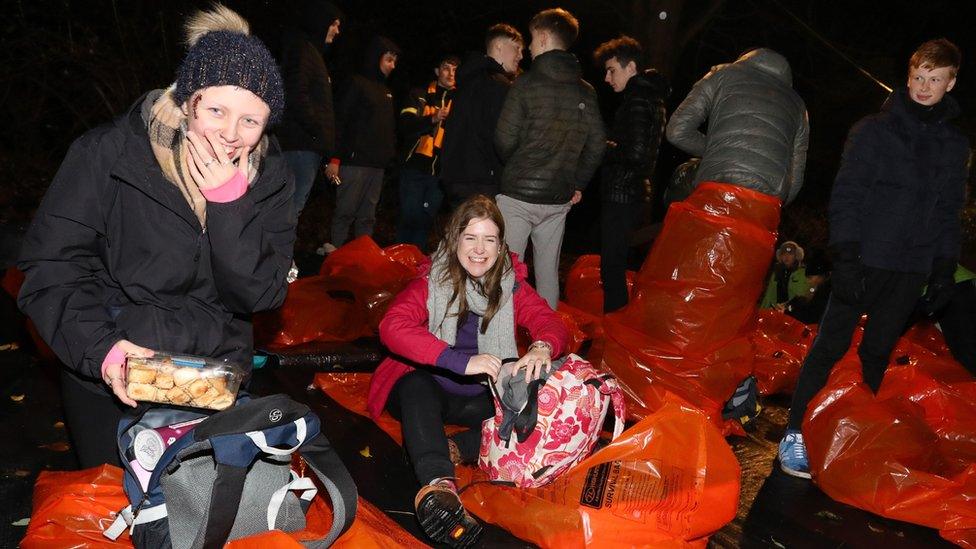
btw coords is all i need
(183, 380)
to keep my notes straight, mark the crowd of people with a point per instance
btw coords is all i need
(169, 227)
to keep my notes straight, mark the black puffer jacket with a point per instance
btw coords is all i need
(634, 138)
(115, 252)
(308, 123)
(366, 118)
(549, 135)
(901, 186)
(758, 130)
(468, 152)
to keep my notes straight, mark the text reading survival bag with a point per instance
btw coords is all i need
(196, 485)
(543, 428)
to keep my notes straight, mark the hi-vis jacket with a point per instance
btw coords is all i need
(418, 130)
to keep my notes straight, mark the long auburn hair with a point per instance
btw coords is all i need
(476, 207)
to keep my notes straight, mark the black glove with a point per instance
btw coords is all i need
(848, 275)
(942, 284)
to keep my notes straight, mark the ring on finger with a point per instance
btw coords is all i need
(209, 162)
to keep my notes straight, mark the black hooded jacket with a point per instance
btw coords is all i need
(308, 123)
(549, 134)
(468, 152)
(365, 115)
(115, 252)
(634, 138)
(901, 187)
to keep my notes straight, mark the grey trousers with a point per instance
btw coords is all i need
(545, 223)
(356, 200)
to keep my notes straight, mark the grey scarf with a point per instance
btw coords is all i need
(499, 338)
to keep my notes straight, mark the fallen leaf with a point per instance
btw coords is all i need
(56, 446)
(829, 516)
(874, 528)
(16, 398)
(365, 452)
(21, 473)
(21, 522)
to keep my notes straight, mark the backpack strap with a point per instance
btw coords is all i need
(225, 498)
(322, 458)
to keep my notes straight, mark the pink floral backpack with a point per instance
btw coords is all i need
(555, 429)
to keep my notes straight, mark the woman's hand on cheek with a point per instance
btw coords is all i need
(483, 364)
(208, 163)
(534, 361)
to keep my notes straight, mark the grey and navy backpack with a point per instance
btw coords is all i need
(230, 476)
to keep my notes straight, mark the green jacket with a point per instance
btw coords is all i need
(798, 286)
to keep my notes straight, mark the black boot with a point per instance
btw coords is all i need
(442, 516)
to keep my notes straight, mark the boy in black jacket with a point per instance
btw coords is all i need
(366, 137)
(421, 124)
(632, 145)
(469, 163)
(894, 225)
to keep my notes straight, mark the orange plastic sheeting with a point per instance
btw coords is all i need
(584, 287)
(371, 530)
(310, 314)
(576, 335)
(345, 301)
(781, 343)
(12, 280)
(686, 330)
(649, 378)
(669, 481)
(72, 508)
(370, 274)
(908, 453)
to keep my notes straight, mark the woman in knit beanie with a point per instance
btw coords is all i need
(164, 230)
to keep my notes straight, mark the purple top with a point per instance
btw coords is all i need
(455, 359)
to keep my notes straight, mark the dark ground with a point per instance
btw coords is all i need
(775, 510)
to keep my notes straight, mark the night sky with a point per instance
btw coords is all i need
(69, 66)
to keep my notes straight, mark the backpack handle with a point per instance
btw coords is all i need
(257, 437)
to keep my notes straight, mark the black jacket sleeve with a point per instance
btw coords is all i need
(509, 126)
(252, 240)
(411, 122)
(637, 146)
(347, 116)
(596, 142)
(298, 70)
(948, 208)
(854, 177)
(66, 284)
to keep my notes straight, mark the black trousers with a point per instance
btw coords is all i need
(958, 322)
(888, 302)
(616, 223)
(92, 419)
(423, 407)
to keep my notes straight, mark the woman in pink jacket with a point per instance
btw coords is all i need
(448, 332)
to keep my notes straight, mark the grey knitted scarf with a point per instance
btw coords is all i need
(499, 338)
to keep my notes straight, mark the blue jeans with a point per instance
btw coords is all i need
(305, 166)
(420, 199)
